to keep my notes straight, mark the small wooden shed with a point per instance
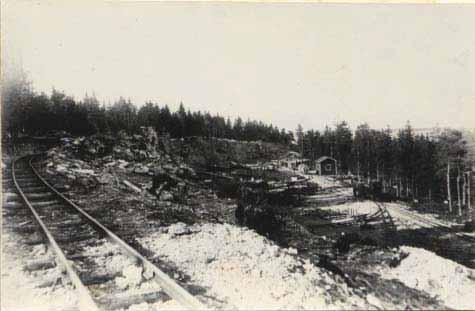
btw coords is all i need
(326, 166)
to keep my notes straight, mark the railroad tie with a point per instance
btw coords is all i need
(20, 212)
(28, 183)
(29, 179)
(8, 188)
(26, 229)
(115, 302)
(85, 257)
(31, 189)
(34, 241)
(95, 279)
(12, 204)
(66, 224)
(40, 195)
(45, 203)
(39, 264)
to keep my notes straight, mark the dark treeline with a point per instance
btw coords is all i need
(25, 112)
(414, 166)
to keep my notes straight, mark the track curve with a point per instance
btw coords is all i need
(70, 230)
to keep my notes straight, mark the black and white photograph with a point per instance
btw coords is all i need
(237, 155)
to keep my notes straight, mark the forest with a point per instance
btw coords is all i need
(29, 113)
(414, 166)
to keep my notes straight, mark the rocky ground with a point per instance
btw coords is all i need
(243, 270)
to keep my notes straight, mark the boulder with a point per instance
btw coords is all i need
(140, 155)
(166, 196)
(141, 169)
(122, 164)
(85, 183)
(179, 229)
(83, 171)
(123, 153)
(105, 178)
(132, 277)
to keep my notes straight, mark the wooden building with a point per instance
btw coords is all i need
(326, 166)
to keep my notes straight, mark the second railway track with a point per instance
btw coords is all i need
(424, 221)
(71, 233)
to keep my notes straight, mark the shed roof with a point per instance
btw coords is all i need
(321, 159)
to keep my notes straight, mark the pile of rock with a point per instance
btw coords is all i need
(76, 172)
(99, 159)
(123, 146)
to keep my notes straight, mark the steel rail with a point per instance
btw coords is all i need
(170, 287)
(85, 300)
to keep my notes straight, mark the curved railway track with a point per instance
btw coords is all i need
(71, 232)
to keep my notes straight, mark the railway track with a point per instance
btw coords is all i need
(421, 220)
(71, 233)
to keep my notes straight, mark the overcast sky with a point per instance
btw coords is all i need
(313, 64)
